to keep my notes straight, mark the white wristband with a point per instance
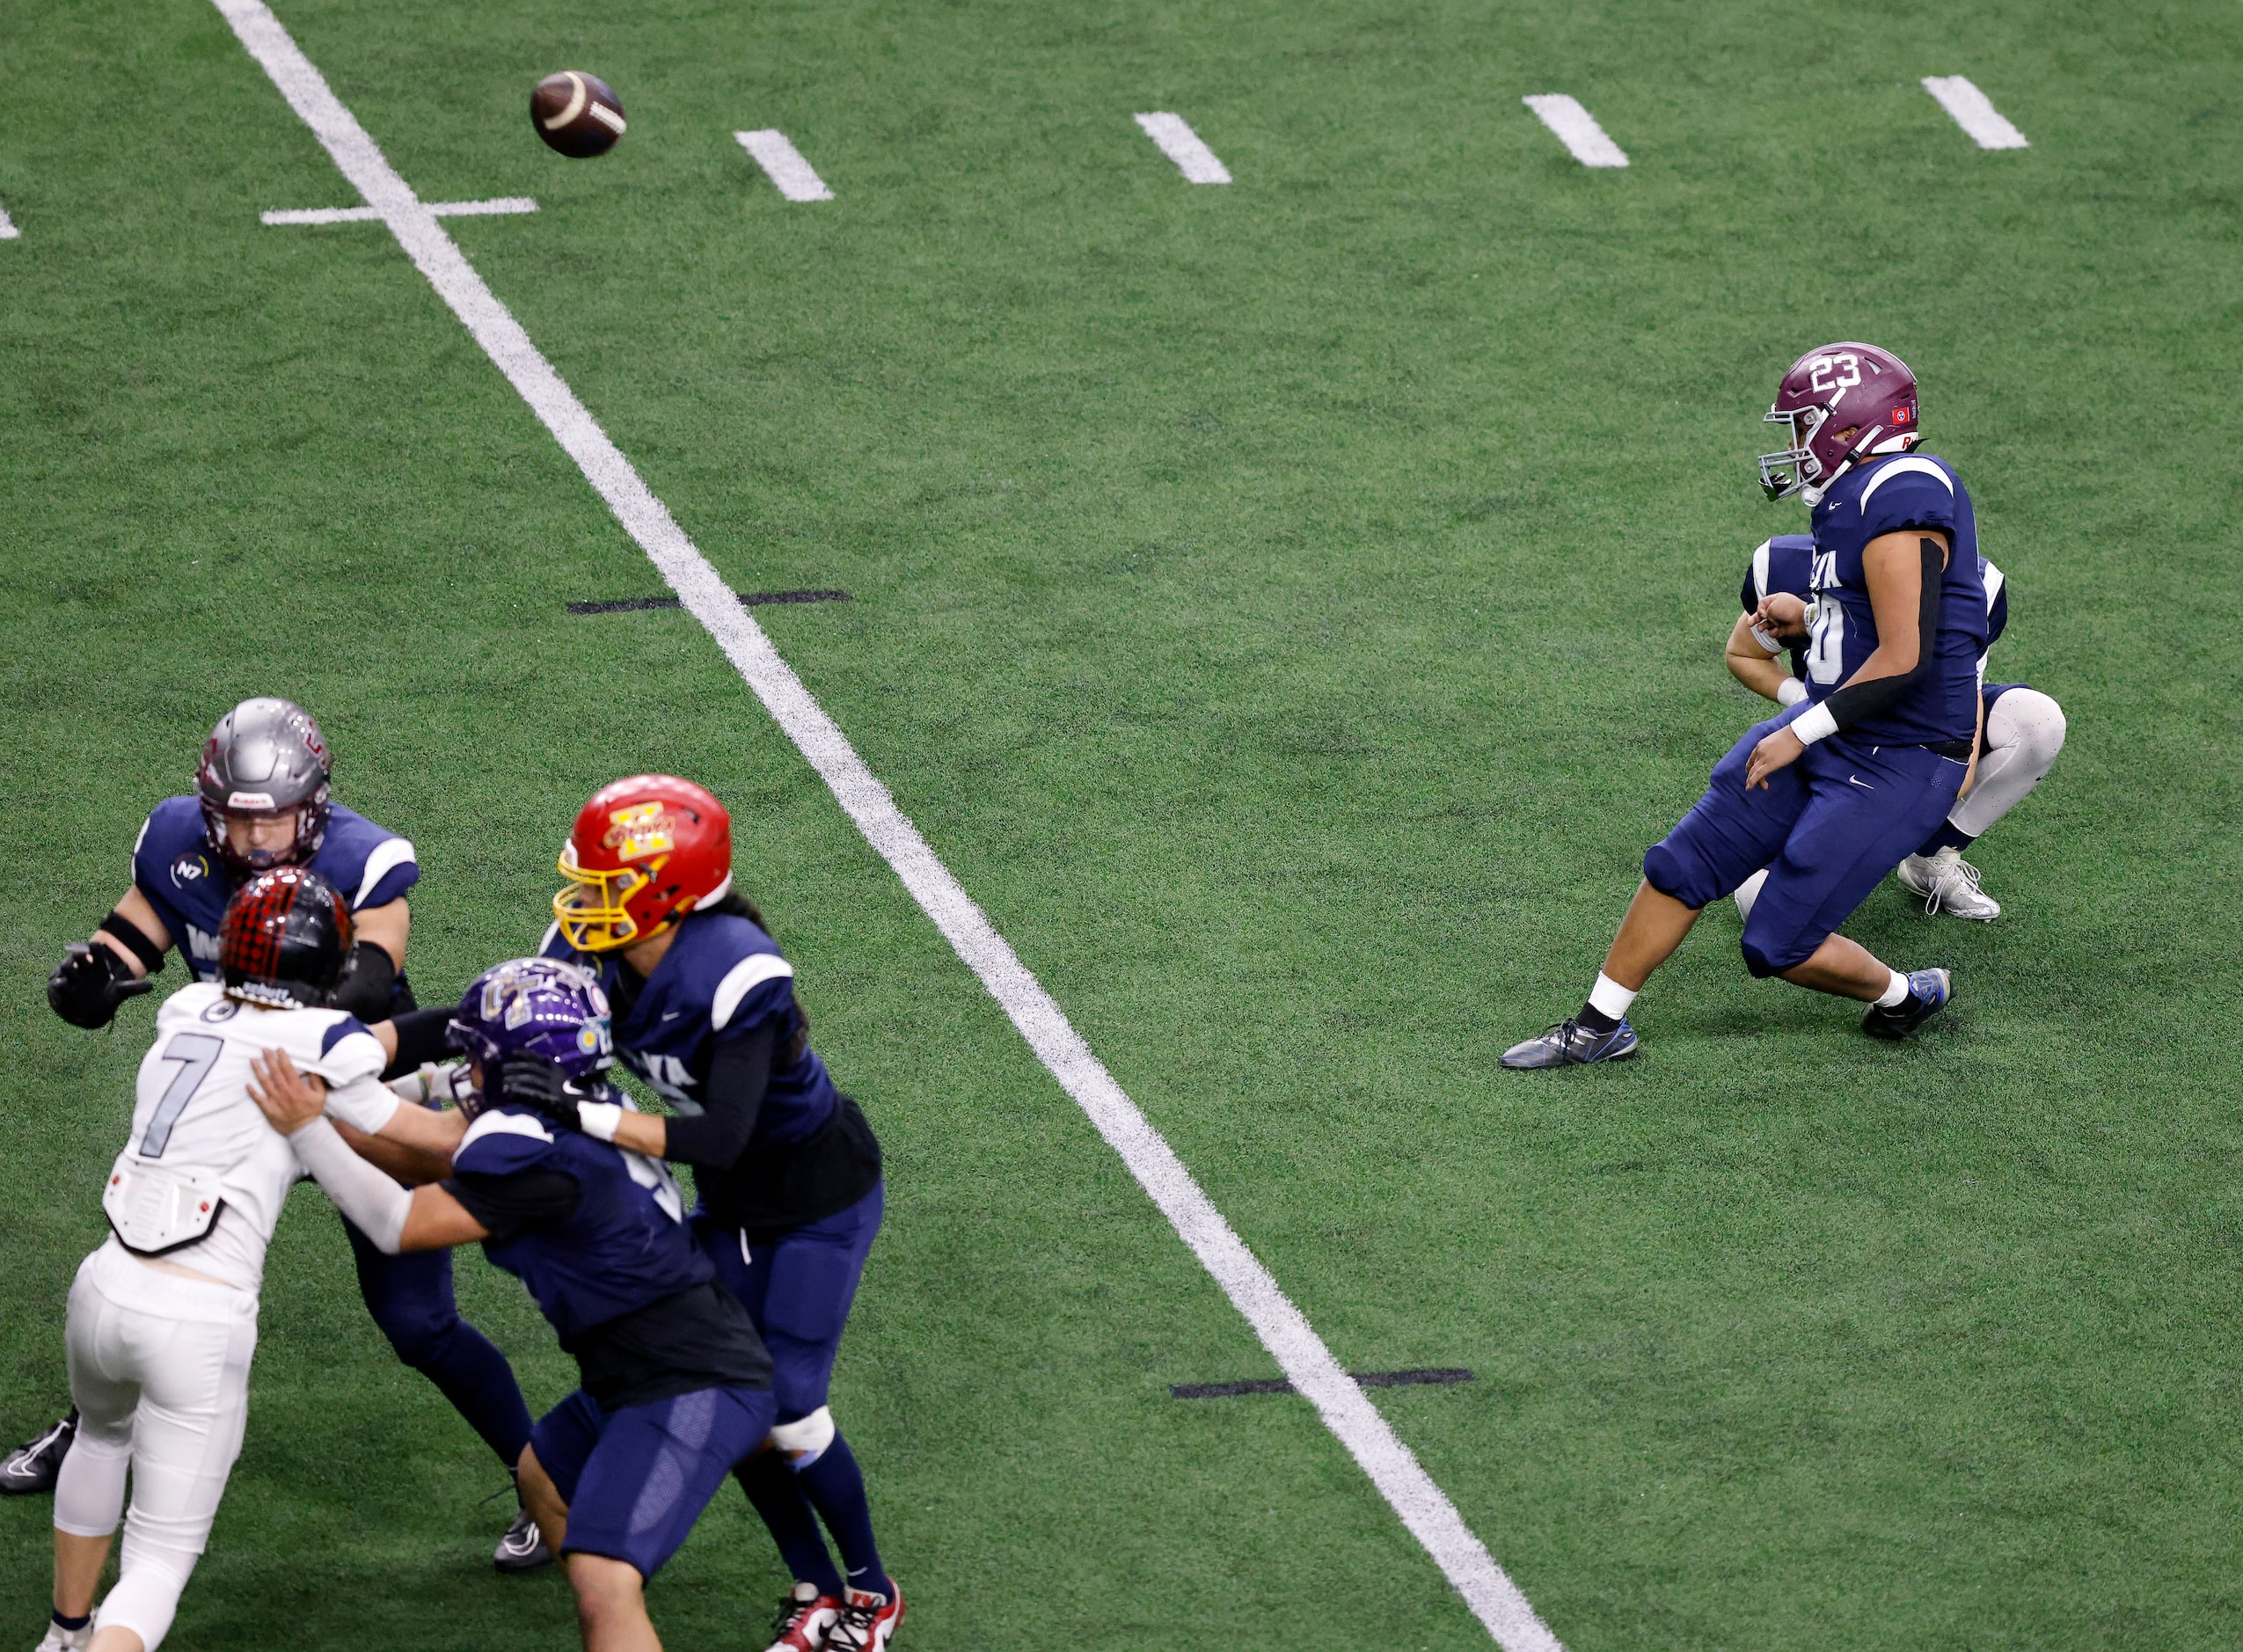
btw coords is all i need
(1790, 692)
(599, 1119)
(1814, 725)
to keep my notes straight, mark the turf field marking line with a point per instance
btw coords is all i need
(1975, 113)
(747, 599)
(1284, 1331)
(372, 215)
(1576, 129)
(783, 164)
(1182, 145)
(8, 230)
(1279, 1385)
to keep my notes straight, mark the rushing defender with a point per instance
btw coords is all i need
(2023, 729)
(262, 798)
(1833, 792)
(676, 1386)
(789, 1172)
(163, 1317)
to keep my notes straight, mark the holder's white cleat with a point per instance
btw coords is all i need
(1949, 883)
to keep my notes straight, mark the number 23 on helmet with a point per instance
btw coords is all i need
(645, 852)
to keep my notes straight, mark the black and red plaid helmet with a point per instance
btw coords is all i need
(284, 939)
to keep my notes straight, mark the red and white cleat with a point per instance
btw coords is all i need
(805, 1618)
(867, 1620)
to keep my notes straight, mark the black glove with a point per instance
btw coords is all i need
(89, 982)
(524, 1081)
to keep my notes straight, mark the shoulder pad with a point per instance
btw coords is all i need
(1892, 470)
(502, 1143)
(743, 978)
(349, 1049)
(172, 827)
(358, 856)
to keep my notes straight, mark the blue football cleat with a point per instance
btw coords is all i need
(1570, 1044)
(1928, 992)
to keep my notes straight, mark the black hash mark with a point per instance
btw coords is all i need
(747, 599)
(1279, 1385)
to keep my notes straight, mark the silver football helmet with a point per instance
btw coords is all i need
(266, 758)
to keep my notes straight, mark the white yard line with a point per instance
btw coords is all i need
(1300, 1353)
(785, 165)
(8, 230)
(1975, 113)
(1576, 129)
(370, 214)
(1182, 145)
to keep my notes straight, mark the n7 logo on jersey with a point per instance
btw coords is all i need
(1839, 372)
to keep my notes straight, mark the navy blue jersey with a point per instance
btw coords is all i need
(1917, 491)
(1786, 563)
(189, 886)
(624, 1244)
(599, 1236)
(721, 978)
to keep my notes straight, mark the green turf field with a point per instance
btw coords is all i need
(1290, 610)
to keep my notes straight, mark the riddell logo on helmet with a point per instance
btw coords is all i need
(644, 829)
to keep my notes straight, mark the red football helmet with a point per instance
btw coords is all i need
(645, 852)
(1843, 403)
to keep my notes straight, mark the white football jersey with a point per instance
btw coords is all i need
(192, 1117)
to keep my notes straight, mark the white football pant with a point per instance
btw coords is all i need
(159, 1369)
(2024, 732)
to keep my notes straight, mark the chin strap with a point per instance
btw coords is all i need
(1860, 451)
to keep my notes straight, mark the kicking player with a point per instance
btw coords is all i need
(1831, 794)
(788, 1170)
(2023, 728)
(676, 1386)
(261, 799)
(163, 1317)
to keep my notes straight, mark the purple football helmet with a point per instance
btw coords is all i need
(1842, 403)
(537, 1007)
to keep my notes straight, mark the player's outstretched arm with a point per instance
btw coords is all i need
(135, 912)
(428, 1218)
(97, 974)
(731, 1101)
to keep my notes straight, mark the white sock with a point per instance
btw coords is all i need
(1609, 998)
(1895, 993)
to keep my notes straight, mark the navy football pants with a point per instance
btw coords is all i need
(637, 1477)
(1829, 828)
(410, 1297)
(797, 1287)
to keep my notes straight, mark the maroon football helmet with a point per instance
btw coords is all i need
(1843, 402)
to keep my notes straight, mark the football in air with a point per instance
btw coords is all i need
(576, 113)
